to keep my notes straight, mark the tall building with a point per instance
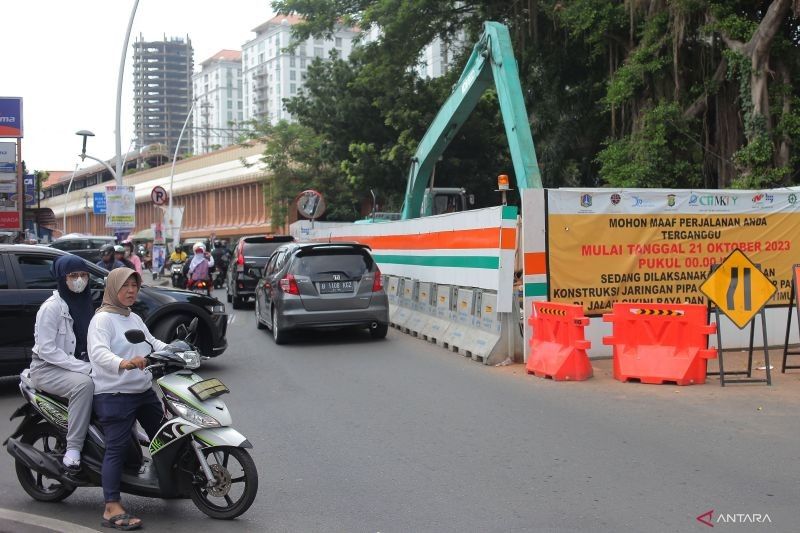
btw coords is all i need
(218, 108)
(438, 57)
(270, 73)
(162, 91)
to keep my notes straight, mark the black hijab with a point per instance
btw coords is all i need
(80, 304)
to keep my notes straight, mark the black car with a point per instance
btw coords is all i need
(26, 282)
(86, 246)
(250, 252)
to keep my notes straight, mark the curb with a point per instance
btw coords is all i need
(11, 521)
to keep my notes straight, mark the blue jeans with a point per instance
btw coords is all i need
(117, 413)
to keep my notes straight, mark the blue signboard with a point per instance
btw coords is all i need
(29, 182)
(8, 168)
(99, 203)
(10, 117)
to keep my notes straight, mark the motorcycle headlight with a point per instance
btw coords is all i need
(192, 415)
(192, 359)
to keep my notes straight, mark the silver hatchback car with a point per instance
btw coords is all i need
(321, 285)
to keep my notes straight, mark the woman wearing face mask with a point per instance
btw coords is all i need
(122, 392)
(59, 363)
(132, 257)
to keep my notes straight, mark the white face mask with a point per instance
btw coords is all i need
(77, 285)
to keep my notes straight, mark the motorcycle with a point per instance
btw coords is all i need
(195, 454)
(200, 286)
(178, 277)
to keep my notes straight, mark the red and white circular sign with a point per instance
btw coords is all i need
(159, 195)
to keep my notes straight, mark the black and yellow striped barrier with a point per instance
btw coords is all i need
(552, 311)
(657, 312)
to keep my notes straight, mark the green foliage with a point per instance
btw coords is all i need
(584, 65)
(661, 154)
(646, 60)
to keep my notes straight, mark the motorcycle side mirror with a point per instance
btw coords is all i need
(181, 332)
(135, 336)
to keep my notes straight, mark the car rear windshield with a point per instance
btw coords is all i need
(263, 246)
(260, 249)
(352, 263)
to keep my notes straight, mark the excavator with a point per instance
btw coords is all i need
(491, 63)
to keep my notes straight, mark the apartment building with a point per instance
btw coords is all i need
(219, 108)
(270, 73)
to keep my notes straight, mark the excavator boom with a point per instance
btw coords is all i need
(492, 62)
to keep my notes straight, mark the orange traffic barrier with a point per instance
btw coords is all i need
(657, 343)
(558, 348)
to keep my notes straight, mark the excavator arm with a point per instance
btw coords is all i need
(492, 62)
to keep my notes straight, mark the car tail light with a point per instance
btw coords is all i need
(240, 258)
(289, 285)
(377, 285)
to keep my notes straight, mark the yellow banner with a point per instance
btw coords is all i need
(598, 259)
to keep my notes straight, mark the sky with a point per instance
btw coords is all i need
(62, 58)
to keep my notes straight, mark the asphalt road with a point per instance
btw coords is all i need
(354, 435)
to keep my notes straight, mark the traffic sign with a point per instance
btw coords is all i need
(99, 203)
(159, 195)
(310, 204)
(738, 288)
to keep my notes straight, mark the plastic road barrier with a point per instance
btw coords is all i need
(558, 346)
(657, 343)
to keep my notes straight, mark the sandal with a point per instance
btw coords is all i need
(124, 520)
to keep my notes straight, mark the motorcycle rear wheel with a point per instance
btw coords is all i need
(43, 437)
(236, 483)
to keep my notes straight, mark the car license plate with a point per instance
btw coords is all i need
(334, 287)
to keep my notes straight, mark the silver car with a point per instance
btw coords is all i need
(315, 285)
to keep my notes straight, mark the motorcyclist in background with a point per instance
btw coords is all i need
(108, 259)
(177, 255)
(221, 256)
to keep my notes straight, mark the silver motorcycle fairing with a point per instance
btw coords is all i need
(178, 383)
(213, 437)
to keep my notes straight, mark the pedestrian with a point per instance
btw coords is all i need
(123, 393)
(59, 364)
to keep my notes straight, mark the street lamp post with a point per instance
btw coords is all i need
(86, 210)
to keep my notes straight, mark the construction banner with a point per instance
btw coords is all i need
(658, 245)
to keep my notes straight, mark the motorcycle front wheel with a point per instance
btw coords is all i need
(235, 483)
(46, 438)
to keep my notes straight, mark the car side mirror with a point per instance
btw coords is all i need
(254, 272)
(135, 336)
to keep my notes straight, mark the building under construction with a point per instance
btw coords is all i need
(162, 91)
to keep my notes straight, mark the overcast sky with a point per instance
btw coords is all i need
(62, 57)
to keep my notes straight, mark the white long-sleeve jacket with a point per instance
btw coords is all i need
(54, 340)
(108, 347)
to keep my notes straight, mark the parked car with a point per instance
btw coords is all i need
(321, 285)
(26, 282)
(248, 253)
(86, 246)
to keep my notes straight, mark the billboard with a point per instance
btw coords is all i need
(658, 246)
(120, 207)
(10, 117)
(8, 158)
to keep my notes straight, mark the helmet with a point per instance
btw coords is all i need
(107, 249)
(119, 248)
(217, 244)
